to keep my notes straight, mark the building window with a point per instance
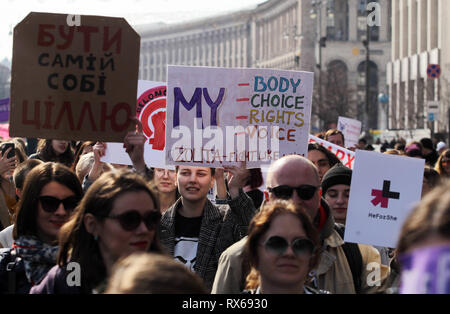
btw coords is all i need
(337, 20)
(362, 22)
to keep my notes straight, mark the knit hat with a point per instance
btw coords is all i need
(338, 174)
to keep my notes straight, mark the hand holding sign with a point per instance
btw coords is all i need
(239, 178)
(134, 145)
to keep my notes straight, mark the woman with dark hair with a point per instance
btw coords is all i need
(118, 216)
(282, 248)
(55, 151)
(50, 194)
(443, 164)
(322, 158)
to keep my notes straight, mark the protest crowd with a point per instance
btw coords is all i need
(86, 207)
(138, 229)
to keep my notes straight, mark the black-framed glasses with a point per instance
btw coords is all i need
(131, 220)
(50, 203)
(305, 192)
(302, 247)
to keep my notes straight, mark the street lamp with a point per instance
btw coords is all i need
(321, 41)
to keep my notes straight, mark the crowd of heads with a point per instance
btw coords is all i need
(107, 219)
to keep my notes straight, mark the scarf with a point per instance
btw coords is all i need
(38, 257)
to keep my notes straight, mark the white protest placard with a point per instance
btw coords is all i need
(383, 191)
(347, 157)
(151, 111)
(219, 116)
(351, 129)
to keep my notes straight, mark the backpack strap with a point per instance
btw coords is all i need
(354, 258)
(12, 261)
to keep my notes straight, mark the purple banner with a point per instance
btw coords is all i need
(4, 110)
(426, 271)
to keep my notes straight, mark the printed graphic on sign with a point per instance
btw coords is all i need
(151, 111)
(383, 196)
(218, 116)
(383, 191)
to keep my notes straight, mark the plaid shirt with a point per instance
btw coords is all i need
(221, 227)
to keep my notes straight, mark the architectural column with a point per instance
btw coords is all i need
(432, 27)
(353, 19)
(385, 21)
(422, 23)
(403, 31)
(412, 27)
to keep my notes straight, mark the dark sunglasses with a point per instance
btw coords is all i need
(302, 247)
(50, 204)
(305, 192)
(131, 220)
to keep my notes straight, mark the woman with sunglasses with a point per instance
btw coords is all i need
(281, 249)
(443, 164)
(50, 194)
(118, 216)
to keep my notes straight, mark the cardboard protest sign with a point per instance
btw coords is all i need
(351, 129)
(151, 111)
(73, 83)
(218, 116)
(4, 110)
(383, 190)
(347, 157)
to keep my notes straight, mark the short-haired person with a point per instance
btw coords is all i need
(282, 248)
(149, 273)
(22, 170)
(50, 195)
(118, 216)
(428, 151)
(296, 178)
(322, 158)
(336, 137)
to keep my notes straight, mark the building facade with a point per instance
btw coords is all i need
(419, 39)
(280, 34)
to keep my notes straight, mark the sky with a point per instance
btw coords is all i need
(136, 12)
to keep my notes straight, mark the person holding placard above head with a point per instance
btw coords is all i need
(322, 158)
(443, 164)
(423, 248)
(193, 230)
(296, 178)
(282, 248)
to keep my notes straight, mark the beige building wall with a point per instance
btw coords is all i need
(276, 34)
(420, 38)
